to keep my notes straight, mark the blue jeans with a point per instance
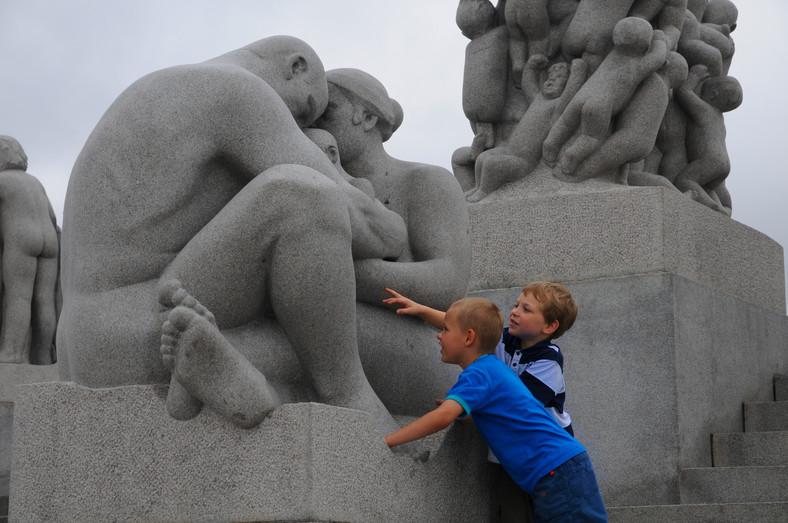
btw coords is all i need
(569, 493)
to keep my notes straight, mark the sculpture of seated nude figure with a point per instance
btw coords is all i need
(436, 262)
(638, 51)
(30, 245)
(520, 154)
(203, 228)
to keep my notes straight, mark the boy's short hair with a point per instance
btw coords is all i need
(483, 317)
(557, 304)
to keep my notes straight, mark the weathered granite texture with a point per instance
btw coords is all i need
(646, 105)
(11, 375)
(571, 234)
(199, 210)
(306, 462)
(30, 250)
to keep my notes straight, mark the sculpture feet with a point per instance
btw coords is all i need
(205, 367)
(477, 196)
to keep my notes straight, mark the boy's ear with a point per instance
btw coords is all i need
(470, 337)
(551, 327)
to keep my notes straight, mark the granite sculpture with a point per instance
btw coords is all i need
(30, 249)
(619, 125)
(212, 245)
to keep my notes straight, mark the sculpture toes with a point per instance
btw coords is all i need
(170, 293)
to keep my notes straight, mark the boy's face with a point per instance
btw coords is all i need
(452, 339)
(527, 322)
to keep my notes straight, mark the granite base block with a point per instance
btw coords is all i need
(11, 375)
(115, 455)
(620, 231)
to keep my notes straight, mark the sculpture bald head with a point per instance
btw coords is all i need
(723, 92)
(721, 12)
(292, 68)
(633, 35)
(12, 156)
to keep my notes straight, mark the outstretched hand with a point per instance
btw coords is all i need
(405, 305)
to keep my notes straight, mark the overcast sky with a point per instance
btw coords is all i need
(62, 63)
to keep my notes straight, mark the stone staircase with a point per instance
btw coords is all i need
(748, 481)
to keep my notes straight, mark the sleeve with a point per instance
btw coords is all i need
(471, 390)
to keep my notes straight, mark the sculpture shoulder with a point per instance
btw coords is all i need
(15, 179)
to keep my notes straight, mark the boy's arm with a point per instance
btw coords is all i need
(407, 306)
(430, 423)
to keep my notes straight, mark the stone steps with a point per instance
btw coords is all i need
(740, 449)
(734, 484)
(700, 513)
(766, 416)
(749, 477)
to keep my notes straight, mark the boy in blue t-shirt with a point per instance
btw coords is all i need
(540, 456)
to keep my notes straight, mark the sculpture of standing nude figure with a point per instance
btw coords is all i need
(30, 247)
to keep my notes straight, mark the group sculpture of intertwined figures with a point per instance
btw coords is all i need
(630, 90)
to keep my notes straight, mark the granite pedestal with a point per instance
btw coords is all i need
(115, 455)
(12, 375)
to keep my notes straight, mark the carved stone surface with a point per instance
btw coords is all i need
(635, 55)
(630, 230)
(210, 243)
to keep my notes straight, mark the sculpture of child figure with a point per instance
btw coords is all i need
(709, 43)
(521, 152)
(529, 33)
(636, 128)
(638, 51)
(485, 79)
(30, 250)
(718, 22)
(709, 164)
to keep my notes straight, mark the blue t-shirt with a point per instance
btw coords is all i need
(528, 442)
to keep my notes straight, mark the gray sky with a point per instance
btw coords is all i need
(63, 63)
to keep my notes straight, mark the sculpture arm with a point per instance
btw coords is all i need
(656, 55)
(577, 77)
(266, 134)
(535, 65)
(439, 242)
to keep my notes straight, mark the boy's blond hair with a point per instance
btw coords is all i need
(557, 304)
(483, 317)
